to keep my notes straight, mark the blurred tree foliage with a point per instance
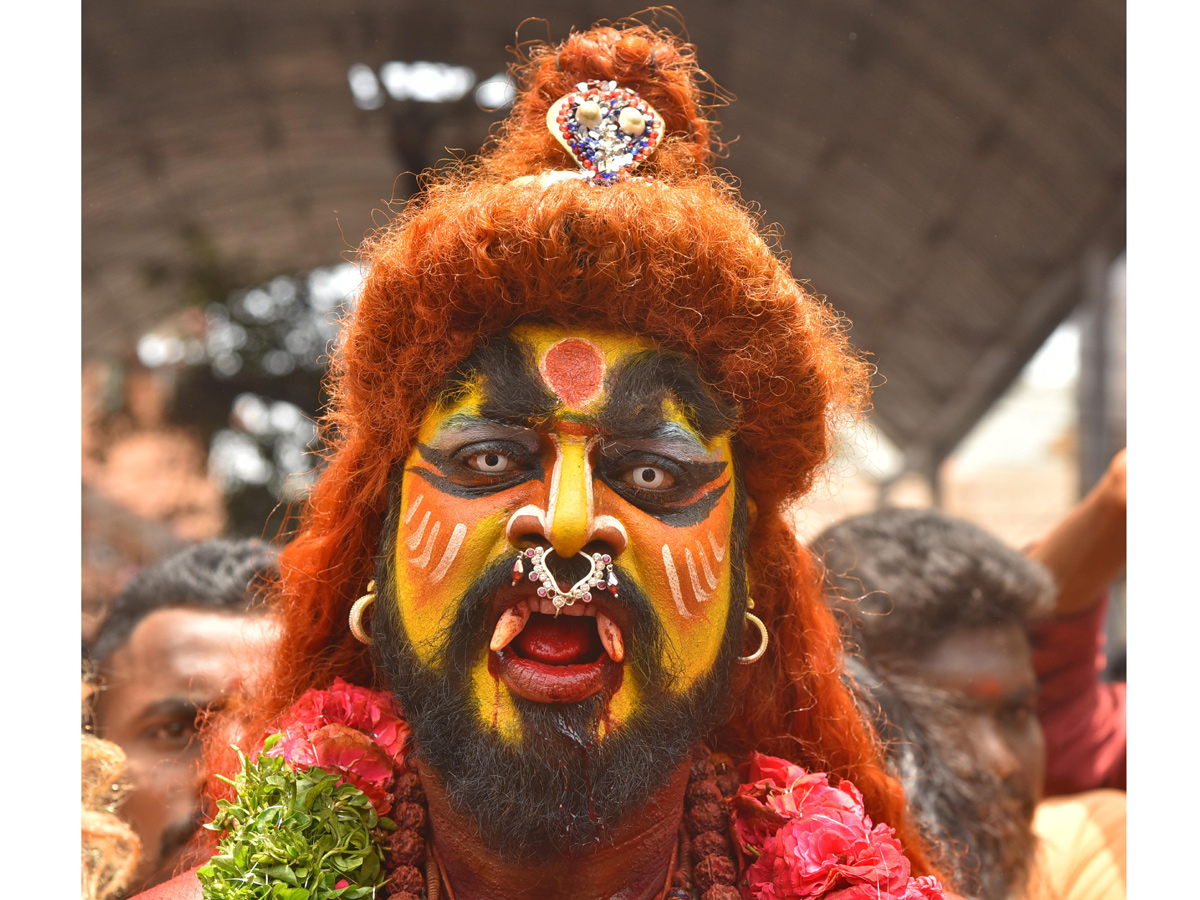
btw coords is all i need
(252, 385)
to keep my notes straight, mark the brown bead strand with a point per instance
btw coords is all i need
(404, 856)
(707, 821)
(703, 840)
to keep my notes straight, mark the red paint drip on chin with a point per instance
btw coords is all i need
(574, 370)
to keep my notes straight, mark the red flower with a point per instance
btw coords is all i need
(780, 790)
(813, 857)
(349, 730)
(810, 840)
(924, 887)
(371, 712)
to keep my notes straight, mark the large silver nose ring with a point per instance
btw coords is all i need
(600, 577)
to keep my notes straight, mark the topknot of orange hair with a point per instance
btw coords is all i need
(660, 68)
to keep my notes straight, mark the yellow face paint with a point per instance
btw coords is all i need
(561, 451)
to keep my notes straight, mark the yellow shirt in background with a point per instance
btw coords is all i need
(1081, 853)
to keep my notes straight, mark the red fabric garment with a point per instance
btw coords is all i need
(181, 887)
(1082, 716)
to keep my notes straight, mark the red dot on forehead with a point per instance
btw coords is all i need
(574, 370)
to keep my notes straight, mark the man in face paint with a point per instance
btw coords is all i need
(584, 448)
(522, 372)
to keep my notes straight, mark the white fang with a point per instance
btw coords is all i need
(673, 579)
(456, 539)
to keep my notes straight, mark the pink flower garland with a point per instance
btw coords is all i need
(809, 840)
(805, 839)
(348, 730)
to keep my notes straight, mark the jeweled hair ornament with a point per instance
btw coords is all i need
(608, 130)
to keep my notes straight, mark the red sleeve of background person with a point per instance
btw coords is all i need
(181, 887)
(1082, 716)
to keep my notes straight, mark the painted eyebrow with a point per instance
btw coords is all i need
(638, 386)
(512, 389)
(669, 437)
(468, 421)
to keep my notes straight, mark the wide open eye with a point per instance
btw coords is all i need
(650, 478)
(490, 462)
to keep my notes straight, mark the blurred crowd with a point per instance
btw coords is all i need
(981, 666)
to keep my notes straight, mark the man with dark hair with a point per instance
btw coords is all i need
(936, 610)
(179, 641)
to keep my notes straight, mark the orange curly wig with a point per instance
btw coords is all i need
(678, 258)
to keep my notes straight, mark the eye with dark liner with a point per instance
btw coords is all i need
(680, 484)
(480, 467)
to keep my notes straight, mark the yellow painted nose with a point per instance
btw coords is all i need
(570, 521)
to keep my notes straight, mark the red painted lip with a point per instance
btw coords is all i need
(544, 683)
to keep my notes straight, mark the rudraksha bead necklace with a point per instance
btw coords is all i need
(703, 866)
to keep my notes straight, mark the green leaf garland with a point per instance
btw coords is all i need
(294, 836)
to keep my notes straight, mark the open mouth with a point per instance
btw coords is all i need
(550, 658)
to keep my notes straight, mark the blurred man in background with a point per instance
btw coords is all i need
(938, 610)
(183, 639)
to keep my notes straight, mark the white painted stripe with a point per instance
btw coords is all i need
(423, 560)
(412, 510)
(515, 533)
(607, 521)
(708, 572)
(588, 448)
(555, 475)
(673, 579)
(416, 538)
(718, 552)
(456, 539)
(701, 597)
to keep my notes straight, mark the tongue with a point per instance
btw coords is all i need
(559, 641)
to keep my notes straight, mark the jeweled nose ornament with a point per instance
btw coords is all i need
(600, 577)
(608, 130)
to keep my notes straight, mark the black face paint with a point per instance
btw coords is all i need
(452, 470)
(513, 389)
(563, 789)
(692, 513)
(638, 387)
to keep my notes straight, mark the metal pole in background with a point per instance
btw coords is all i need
(1102, 404)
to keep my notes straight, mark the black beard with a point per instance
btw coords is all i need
(984, 823)
(562, 790)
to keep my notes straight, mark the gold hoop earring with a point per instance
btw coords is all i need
(762, 648)
(356, 614)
